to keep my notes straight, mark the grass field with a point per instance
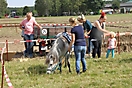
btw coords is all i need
(111, 73)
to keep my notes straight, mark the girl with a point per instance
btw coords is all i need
(111, 44)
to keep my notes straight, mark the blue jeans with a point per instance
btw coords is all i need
(29, 45)
(80, 52)
(90, 46)
(108, 52)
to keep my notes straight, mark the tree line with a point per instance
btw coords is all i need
(62, 7)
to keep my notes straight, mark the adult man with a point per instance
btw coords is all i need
(27, 25)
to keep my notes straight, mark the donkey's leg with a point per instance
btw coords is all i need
(60, 65)
(68, 61)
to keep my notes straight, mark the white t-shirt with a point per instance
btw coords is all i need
(112, 43)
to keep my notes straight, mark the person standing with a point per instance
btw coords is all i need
(111, 44)
(22, 34)
(87, 29)
(96, 35)
(78, 39)
(28, 26)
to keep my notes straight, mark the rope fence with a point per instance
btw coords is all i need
(17, 25)
(4, 73)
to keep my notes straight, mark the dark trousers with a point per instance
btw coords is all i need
(97, 48)
(25, 44)
(29, 45)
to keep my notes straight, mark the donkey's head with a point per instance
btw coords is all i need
(51, 61)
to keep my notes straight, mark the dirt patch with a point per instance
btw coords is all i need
(12, 34)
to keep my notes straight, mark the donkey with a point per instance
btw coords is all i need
(58, 51)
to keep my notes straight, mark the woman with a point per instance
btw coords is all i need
(77, 35)
(87, 29)
(96, 35)
(27, 25)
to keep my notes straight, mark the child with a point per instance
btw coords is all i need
(111, 44)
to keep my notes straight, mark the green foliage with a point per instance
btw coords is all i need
(95, 5)
(116, 4)
(19, 12)
(35, 13)
(43, 7)
(3, 7)
(25, 10)
(67, 7)
(56, 5)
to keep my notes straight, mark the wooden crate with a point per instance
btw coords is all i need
(10, 55)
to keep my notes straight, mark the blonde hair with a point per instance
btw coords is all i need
(113, 33)
(72, 20)
(81, 17)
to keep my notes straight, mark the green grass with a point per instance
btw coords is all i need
(111, 73)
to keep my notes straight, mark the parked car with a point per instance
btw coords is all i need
(16, 16)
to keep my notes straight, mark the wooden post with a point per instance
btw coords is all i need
(16, 28)
(118, 44)
(7, 49)
(2, 80)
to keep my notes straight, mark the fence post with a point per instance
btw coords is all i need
(7, 49)
(47, 33)
(118, 44)
(2, 80)
(65, 29)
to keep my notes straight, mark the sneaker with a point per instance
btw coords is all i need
(78, 73)
(84, 70)
(99, 58)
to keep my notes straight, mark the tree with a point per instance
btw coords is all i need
(75, 5)
(94, 5)
(25, 10)
(56, 4)
(19, 12)
(65, 7)
(116, 4)
(3, 7)
(43, 7)
(83, 8)
(35, 13)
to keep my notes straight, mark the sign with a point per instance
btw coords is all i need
(44, 31)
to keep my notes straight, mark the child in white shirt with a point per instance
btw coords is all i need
(111, 45)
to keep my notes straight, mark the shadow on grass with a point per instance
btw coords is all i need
(20, 55)
(36, 69)
(126, 60)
